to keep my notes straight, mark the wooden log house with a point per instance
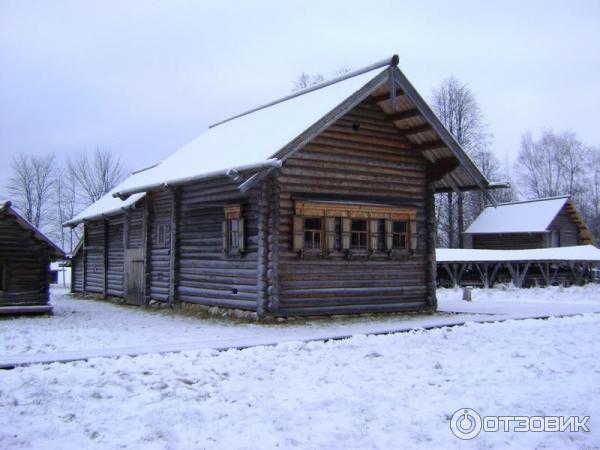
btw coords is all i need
(537, 223)
(25, 255)
(321, 202)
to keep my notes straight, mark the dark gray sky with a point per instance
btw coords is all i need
(145, 77)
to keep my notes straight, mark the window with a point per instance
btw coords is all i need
(555, 238)
(233, 231)
(339, 229)
(399, 234)
(234, 234)
(160, 235)
(359, 234)
(381, 235)
(313, 231)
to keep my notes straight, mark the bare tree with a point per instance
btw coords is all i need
(30, 187)
(457, 108)
(553, 165)
(96, 175)
(66, 206)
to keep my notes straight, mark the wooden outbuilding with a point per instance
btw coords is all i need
(538, 223)
(321, 202)
(25, 256)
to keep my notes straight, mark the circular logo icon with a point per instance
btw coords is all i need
(465, 424)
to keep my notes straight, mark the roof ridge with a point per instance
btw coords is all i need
(393, 61)
(533, 200)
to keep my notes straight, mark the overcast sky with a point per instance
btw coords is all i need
(142, 78)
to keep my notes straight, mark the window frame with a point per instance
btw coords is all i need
(314, 231)
(362, 234)
(160, 241)
(400, 234)
(233, 214)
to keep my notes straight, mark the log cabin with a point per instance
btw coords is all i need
(321, 202)
(25, 256)
(538, 223)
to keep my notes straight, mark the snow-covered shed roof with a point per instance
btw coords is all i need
(575, 253)
(265, 137)
(528, 216)
(7, 209)
(106, 206)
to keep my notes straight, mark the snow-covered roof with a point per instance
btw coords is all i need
(250, 141)
(529, 216)
(105, 206)
(266, 136)
(6, 208)
(576, 253)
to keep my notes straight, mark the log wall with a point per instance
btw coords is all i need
(513, 241)
(159, 245)
(115, 260)
(205, 274)
(370, 164)
(77, 272)
(26, 265)
(94, 247)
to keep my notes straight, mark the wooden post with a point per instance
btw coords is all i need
(105, 258)
(430, 236)
(83, 259)
(125, 249)
(146, 248)
(262, 282)
(173, 248)
(273, 242)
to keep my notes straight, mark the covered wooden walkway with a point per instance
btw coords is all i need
(536, 267)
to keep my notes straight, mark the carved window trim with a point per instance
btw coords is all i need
(342, 214)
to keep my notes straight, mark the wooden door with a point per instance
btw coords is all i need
(134, 266)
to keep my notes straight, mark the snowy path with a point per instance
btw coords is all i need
(366, 392)
(83, 329)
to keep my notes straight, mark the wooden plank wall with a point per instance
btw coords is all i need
(26, 263)
(569, 232)
(115, 261)
(205, 274)
(370, 164)
(514, 241)
(94, 257)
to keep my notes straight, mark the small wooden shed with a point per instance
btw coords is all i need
(321, 202)
(25, 256)
(537, 223)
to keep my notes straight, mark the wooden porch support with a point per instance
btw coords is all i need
(487, 277)
(517, 275)
(545, 271)
(455, 272)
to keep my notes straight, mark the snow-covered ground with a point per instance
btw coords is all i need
(366, 392)
(508, 300)
(94, 326)
(363, 392)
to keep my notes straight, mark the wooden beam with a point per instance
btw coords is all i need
(105, 258)
(416, 130)
(385, 97)
(442, 167)
(432, 145)
(403, 115)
